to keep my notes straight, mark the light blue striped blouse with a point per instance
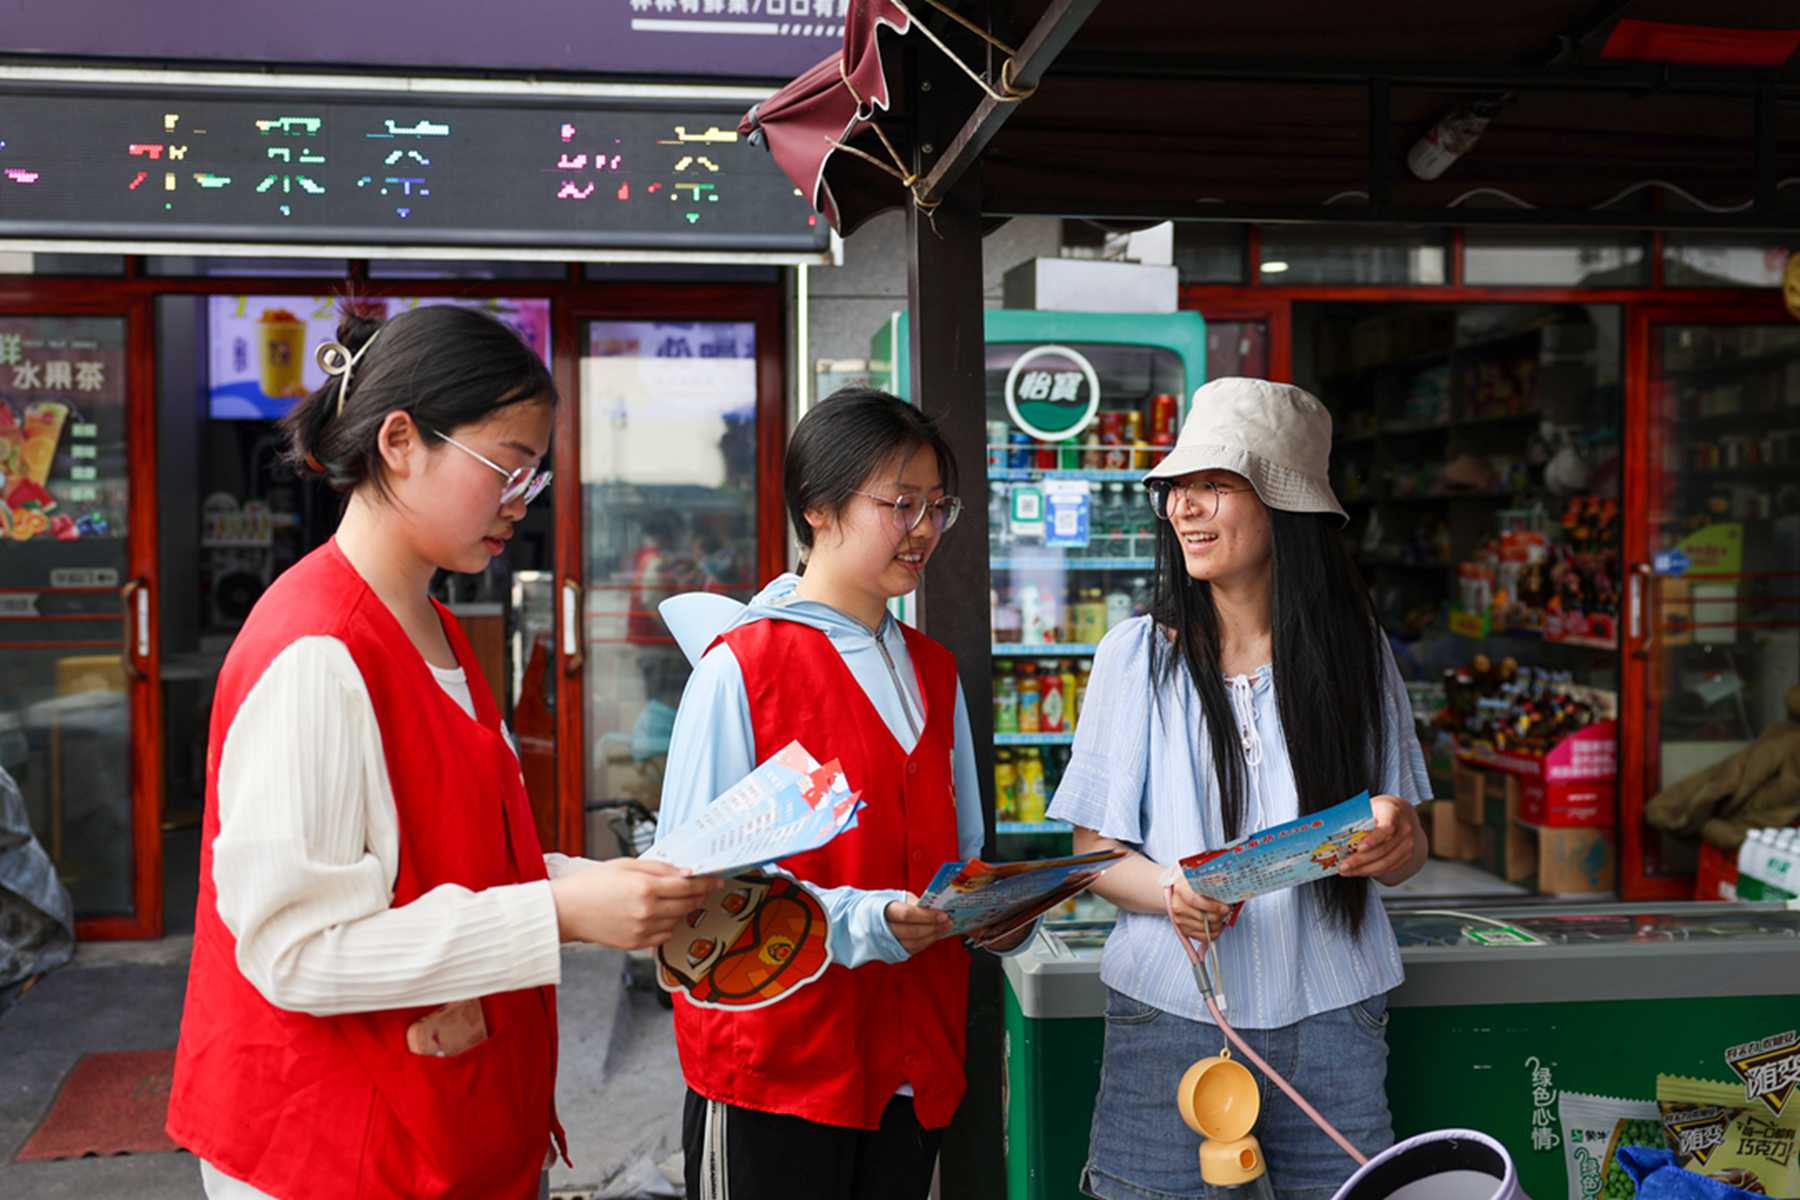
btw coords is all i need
(1142, 774)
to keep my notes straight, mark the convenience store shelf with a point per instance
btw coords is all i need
(1044, 649)
(1017, 828)
(1034, 739)
(1072, 564)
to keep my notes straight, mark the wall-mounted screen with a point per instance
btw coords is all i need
(286, 168)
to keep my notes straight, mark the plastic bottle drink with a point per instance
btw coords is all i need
(1006, 787)
(1118, 607)
(1032, 798)
(1031, 616)
(1118, 522)
(1006, 699)
(1081, 685)
(1053, 708)
(1090, 617)
(1070, 712)
(1031, 700)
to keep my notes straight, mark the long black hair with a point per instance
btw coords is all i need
(841, 439)
(444, 366)
(1328, 662)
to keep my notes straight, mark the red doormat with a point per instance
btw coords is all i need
(111, 1103)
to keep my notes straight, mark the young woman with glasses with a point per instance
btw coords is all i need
(1258, 688)
(844, 1087)
(371, 1004)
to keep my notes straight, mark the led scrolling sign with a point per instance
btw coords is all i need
(287, 169)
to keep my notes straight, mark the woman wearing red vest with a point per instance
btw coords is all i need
(371, 1009)
(844, 1087)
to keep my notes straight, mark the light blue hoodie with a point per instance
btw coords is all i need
(713, 745)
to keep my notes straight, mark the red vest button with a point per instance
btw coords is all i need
(912, 768)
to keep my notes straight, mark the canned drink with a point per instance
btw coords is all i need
(1165, 419)
(1019, 452)
(1113, 437)
(1069, 454)
(1044, 457)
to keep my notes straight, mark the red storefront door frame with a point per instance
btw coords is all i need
(1640, 704)
(143, 671)
(761, 305)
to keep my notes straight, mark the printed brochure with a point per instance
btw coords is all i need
(762, 935)
(988, 901)
(1282, 856)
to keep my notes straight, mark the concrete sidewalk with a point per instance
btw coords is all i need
(619, 1091)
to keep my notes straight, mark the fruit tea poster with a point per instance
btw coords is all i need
(262, 356)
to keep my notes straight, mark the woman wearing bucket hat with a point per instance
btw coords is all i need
(1258, 688)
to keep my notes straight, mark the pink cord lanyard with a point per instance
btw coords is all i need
(1209, 992)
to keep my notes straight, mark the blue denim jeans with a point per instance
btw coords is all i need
(1141, 1150)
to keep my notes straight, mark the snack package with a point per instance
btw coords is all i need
(1594, 1127)
(1716, 1132)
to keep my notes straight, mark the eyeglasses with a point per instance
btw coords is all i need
(525, 482)
(911, 508)
(1201, 495)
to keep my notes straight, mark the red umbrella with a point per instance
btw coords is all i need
(833, 106)
(838, 106)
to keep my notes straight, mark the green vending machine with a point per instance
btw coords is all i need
(1079, 407)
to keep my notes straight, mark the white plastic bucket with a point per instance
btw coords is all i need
(1448, 1164)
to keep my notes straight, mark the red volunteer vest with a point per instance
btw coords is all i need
(338, 1108)
(838, 1049)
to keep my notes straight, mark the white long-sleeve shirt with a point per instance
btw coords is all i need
(307, 853)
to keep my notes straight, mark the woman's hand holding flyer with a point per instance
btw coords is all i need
(1391, 845)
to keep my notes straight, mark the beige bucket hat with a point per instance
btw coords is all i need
(1275, 435)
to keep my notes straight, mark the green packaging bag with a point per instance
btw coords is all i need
(1594, 1127)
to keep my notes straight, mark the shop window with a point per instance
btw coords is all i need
(447, 268)
(1210, 253)
(24, 262)
(1312, 254)
(282, 268)
(1711, 260)
(1533, 258)
(1478, 456)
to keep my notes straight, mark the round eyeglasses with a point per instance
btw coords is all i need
(1201, 497)
(525, 482)
(910, 509)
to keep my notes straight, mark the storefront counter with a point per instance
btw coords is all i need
(1501, 1013)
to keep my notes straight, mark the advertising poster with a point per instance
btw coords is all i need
(262, 358)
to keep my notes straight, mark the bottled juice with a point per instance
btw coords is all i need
(1090, 617)
(1033, 799)
(1006, 787)
(1006, 698)
(1031, 700)
(1054, 706)
(1081, 685)
(1072, 712)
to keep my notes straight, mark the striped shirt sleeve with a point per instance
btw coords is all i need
(1103, 787)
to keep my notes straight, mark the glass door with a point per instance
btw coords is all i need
(672, 488)
(1714, 623)
(78, 711)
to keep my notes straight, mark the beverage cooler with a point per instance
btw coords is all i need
(1544, 1026)
(1079, 406)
